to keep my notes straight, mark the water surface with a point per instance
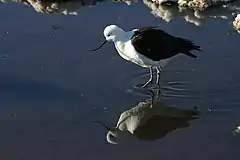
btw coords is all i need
(52, 88)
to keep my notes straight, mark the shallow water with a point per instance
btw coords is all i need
(52, 88)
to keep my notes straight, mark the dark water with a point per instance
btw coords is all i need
(51, 88)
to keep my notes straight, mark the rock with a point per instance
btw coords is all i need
(194, 16)
(236, 23)
(199, 5)
(67, 7)
(165, 1)
(168, 13)
(194, 4)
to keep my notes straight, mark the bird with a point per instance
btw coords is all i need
(148, 120)
(147, 47)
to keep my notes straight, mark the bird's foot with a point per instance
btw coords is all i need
(145, 84)
(142, 86)
(148, 86)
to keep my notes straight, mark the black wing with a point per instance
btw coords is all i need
(157, 44)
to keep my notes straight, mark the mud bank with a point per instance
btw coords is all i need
(196, 15)
(65, 7)
(200, 5)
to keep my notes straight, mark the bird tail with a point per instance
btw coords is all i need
(196, 47)
(189, 46)
(190, 54)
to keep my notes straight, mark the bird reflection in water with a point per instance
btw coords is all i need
(149, 120)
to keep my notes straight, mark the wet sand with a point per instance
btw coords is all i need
(52, 88)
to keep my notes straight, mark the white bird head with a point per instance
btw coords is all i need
(111, 33)
(112, 133)
(115, 135)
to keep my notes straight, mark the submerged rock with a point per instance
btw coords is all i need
(236, 23)
(168, 13)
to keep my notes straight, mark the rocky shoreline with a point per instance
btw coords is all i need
(192, 11)
(200, 5)
(65, 7)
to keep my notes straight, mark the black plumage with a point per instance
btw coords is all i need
(156, 44)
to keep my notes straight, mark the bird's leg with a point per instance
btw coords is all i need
(159, 70)
(150, 79)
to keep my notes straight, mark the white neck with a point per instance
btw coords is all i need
(124, 37)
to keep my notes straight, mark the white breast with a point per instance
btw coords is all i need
(128, 52)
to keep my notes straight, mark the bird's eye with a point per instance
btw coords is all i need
(108, 35)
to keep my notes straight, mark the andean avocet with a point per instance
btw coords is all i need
(147, 47)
